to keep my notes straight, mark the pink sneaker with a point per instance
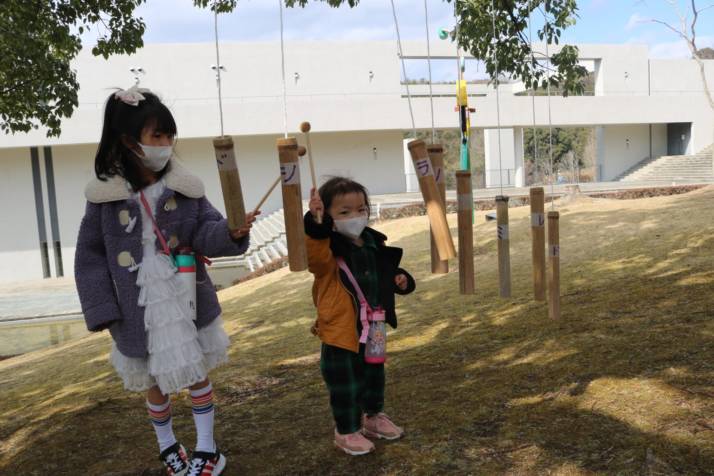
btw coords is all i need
(380, 426)
(353, 444)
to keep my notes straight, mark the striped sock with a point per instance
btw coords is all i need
(160, 416)
(203, 413)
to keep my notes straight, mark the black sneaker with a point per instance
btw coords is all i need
(175, 459)
(206, 464)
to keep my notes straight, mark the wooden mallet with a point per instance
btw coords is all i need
(230, 181)
(305, 129)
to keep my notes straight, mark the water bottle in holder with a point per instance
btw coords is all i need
(186, 264)
(375, 351)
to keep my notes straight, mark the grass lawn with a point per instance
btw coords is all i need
(622, 384)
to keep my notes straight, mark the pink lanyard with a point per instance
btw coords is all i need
(158, 233)
(364, 306)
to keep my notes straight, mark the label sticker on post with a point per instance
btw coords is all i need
(226, 160)
(502, 232)
(423, 167)
(537, 220)
(554, 251)
(439, 175)
(290, 173)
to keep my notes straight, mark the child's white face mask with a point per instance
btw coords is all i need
(156, 157)
(351, 227)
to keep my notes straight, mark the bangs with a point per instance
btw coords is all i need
(154, 114)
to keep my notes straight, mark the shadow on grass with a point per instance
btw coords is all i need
(619, 385)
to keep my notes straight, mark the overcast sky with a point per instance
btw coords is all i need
(601, 21)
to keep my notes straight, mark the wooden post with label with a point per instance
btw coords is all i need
(230, 181)
(537, 199)
(554, 269)
(292, 203)
(436, 154)
(430, 193)
(465, 200)
(504, 252)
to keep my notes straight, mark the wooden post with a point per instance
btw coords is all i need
(436, 154)
(292, 203)
(465, 200)
(430, 192)
(230, 181)
(554, 269)
(538, 238)
(504, 253)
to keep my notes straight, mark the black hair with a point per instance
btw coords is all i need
(121, 119)
(341, 186)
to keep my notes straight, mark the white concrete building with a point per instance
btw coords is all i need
(352, 94)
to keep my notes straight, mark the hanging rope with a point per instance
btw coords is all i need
(404, 69)
(550, 121)
(498, 101)
(428, 60)
(282, 59)
(535, 132)
(218, 71)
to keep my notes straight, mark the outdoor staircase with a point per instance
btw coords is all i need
(673, 168)
(267, 245)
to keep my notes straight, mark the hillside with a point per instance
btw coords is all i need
(623, 384)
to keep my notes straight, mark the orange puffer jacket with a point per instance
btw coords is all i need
(333, 294)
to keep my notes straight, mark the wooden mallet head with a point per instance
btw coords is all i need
(305, 127)
(301, 151)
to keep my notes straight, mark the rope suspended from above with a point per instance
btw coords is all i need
(282, 62)
(404, 69)
(218, 71)
(428, 60)
(498, 100)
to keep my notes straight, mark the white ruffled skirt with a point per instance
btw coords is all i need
(179, 354)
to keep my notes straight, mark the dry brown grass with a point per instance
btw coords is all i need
(623, 384)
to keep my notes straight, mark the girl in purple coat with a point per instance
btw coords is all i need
(142, 208)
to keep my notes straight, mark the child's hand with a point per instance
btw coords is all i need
(401, 281)
(316, 206)
(245, 229)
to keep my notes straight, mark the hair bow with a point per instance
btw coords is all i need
(131, 96)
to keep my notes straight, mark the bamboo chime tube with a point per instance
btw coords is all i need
(537, 199)
(292, 203)
(554, 268)
(465, 200)
(504, 253)
(430, 193)
(436, 154)
(230, 181)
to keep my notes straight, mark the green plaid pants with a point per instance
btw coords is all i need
(354, 385)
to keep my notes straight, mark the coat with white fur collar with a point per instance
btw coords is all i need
(109, 245)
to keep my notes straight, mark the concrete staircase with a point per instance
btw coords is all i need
(673, 168)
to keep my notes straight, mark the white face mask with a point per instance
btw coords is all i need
(156, 157)
(351, 227)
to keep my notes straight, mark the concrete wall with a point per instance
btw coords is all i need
(621, 147)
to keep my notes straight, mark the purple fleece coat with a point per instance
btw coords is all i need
(108, 244)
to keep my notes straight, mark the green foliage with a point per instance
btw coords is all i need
(565, 140)
(39, 39)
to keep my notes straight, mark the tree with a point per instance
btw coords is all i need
(39, 39)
